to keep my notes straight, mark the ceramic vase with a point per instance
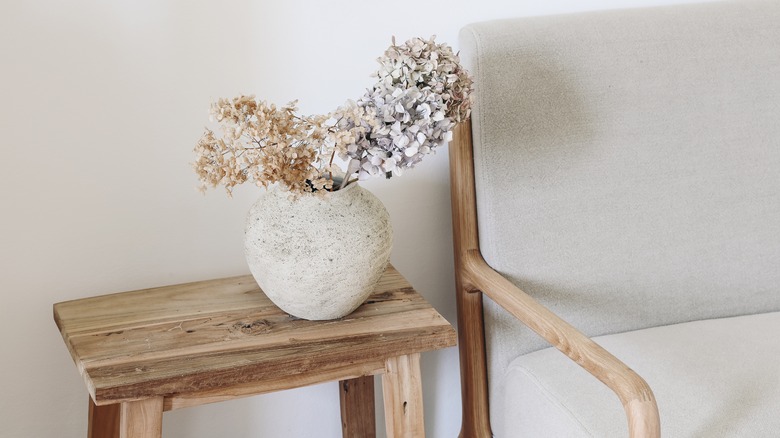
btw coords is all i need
(318, 257)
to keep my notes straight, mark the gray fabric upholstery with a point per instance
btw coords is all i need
(628, 166)
(712, 378)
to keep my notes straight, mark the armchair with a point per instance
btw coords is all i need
(621, 172)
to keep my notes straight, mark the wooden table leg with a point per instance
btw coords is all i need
(402, 390)
(141, 419)
(358, 416)
(103, 421)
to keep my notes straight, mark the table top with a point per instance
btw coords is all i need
(213, 340)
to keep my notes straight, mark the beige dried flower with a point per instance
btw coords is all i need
(263, 144)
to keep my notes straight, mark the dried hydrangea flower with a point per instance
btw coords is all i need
(262, 144)
(426, 65)
(421, 93)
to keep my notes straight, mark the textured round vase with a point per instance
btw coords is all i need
(318, 257)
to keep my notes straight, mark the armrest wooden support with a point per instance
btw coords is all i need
(473, 274)
(634, 393)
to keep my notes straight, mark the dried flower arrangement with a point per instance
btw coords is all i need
(422, 91)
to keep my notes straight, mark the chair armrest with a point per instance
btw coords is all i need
(473, 275)
(632, 390)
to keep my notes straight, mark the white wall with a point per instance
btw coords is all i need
(100, 105)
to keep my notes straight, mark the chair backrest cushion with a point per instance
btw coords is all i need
(628, 164)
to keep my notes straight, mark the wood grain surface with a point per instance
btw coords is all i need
(213, 340)
(402, 394)
(358, 416)
(475, 421)
(141, 419)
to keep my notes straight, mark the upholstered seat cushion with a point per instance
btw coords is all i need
(712, 378)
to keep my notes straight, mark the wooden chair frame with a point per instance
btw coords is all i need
(474, 277)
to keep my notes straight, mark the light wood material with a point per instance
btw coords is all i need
(220, 336)
(634, 393)
(141, 419)
(358, 417)
(103, 421)
(473, 275)
(209, 341)
(402, 390)
(230, 392)
(471, 328)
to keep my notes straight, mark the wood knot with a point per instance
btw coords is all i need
(248, 328)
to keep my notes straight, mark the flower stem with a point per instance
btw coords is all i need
(352, 167)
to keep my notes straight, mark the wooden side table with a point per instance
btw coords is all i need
(149, 351)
